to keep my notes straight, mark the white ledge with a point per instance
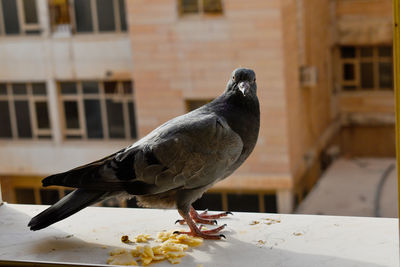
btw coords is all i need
(294, 240)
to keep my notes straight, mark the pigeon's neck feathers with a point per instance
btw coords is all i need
(242, 114)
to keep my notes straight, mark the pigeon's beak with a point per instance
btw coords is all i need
(244, 87)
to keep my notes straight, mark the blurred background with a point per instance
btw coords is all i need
(80, 79)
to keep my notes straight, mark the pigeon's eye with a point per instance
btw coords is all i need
(233, 78)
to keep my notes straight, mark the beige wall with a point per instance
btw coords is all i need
(192, 57)
(308, 43)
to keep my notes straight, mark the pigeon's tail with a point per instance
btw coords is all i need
(83, 175)
(65, 207)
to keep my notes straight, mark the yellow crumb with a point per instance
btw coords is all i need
(142, 238)
(172, 248)
(122, 258)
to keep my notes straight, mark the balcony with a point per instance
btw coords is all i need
(253, 239)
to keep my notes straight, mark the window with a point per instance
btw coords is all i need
(98, 110)
(366, 68)
(196, 103)
(24, 111)
(18, 17)
(88, 16)
(200, 6)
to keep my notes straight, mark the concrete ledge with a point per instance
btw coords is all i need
(253, 239)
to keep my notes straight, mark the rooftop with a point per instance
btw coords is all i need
(253, 239)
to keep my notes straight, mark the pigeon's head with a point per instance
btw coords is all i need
(243, 82)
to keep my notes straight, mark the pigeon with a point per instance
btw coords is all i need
(173, 165)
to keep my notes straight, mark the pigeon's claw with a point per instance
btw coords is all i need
(206, 216)
(196, 231)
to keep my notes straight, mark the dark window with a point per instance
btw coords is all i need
(83, 14)
(71, 114)
(49, 196)
(366, 68)
(127, 86)
(11, 16)
(212, 6)
(385, 75)
(348, 72)
(90, 87)
(94, 125)
(68, 88)
(200, 6)
(196, 103)
(189, 6)
(59, 13)
(5, 122)
(73, 136)
(243, 202)
(211, 201)
(132, 120)
(270, 203)
(105, 15)
(44, 136)
(348, 52)
(25, 196)
(42, 115)
(115, 119)
(385, 51)
(30, 11)
(3, 89)
(110, 87)
(19, 89)
(23, 118)
(122, 15)
(39, 89)
(107, 110)
(366, 51)
(367, 75)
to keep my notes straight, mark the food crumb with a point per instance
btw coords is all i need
(254, 222)
(125, 239)
(297, 233)
(121, 257)
(142, 238)
(172, 248)
(270, 221)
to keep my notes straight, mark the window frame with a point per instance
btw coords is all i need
(95, 23)
(79, 98)
(201, 10)
(21, 20)
(375, 59)
(31, 99)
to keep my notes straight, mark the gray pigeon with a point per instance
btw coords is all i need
(174, 164)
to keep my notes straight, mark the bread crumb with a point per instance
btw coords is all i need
(121, 257)
(172, 248)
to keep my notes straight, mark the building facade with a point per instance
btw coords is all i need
(113, 71)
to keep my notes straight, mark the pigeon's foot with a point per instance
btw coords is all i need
(196, 231)
(204, 217)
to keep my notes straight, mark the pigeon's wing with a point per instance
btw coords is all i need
(188, 152)
(192, 155)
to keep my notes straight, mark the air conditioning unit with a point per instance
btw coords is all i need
(308, 76)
